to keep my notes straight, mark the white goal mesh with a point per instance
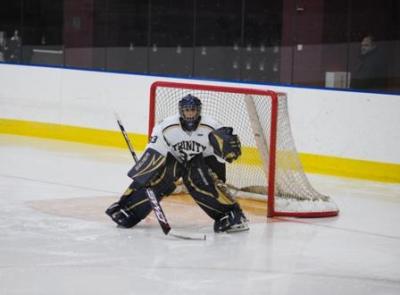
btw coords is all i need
(269, 167)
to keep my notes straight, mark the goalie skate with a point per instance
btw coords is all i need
(233, 221)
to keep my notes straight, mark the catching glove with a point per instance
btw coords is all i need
(225, 144)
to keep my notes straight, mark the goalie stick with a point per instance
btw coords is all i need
(127, 140)
(155, 204)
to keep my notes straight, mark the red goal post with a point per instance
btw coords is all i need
(269, 168)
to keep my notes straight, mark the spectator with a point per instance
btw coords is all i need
(370, 71)
(14, 48)
(3, 46)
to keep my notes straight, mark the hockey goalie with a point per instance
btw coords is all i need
(192, 147)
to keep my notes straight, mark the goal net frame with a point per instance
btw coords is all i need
(265, 146)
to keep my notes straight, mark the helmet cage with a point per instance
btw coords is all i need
(190, 102)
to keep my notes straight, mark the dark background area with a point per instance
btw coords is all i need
(287, 42)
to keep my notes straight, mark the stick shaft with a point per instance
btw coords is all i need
(127, 140)
(158, 211)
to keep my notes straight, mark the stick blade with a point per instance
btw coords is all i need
(187, 236)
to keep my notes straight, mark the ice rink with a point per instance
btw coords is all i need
(55, 238)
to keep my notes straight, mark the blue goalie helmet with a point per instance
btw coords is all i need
(190, 111)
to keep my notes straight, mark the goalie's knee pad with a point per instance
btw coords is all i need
(198, 177)
(204, 186)
(233, 221)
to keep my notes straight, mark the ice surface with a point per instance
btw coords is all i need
(55, 239)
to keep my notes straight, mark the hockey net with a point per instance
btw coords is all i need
(269, 167)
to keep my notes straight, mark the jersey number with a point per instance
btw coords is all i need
(186, 156)
(153, 139)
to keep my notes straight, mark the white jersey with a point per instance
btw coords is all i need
(169, 137)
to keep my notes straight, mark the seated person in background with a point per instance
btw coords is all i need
(370, 71)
